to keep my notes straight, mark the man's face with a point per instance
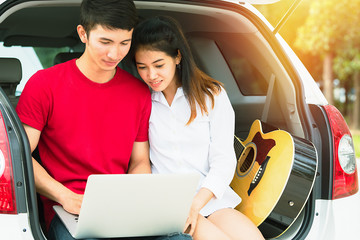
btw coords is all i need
(105, 48)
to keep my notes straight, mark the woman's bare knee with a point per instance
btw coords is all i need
(206, 230)
(235, 224)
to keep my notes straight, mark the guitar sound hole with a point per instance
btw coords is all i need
(247, 163)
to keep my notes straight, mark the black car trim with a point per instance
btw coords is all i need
(20, 151)
(279, 51)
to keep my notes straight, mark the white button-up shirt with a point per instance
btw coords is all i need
(205, 146)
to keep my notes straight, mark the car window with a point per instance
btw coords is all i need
(47, 55)
(243, 58)
(248, 78)
(32, 60)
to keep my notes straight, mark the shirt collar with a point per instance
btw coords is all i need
(159, 96)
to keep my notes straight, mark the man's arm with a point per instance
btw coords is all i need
(139, 160)
(48, 186)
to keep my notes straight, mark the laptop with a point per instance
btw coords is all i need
(132, 205)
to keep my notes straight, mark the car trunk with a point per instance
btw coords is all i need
(229, 43)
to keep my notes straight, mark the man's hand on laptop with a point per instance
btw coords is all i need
(71, 202)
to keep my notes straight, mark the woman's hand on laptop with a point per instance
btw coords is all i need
(191, 221)
(200, 200)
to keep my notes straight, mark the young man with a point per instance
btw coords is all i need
(87, 115)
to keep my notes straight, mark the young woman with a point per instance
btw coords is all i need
(191, 129)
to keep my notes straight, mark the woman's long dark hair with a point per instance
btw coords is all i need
(164, 34)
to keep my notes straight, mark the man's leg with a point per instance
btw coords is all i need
(58, 231)
(172, 236)
(175, 236)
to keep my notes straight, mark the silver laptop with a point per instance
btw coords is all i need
(129, 205)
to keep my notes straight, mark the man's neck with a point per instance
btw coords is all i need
(95, 74)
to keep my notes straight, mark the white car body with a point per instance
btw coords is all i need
(330, 219)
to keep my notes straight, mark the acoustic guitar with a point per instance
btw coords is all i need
(274, 176)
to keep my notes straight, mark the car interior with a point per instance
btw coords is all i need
(228, 46)
(240, 56)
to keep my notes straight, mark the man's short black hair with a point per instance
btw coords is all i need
(111, 14)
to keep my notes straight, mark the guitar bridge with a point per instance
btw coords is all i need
(259, 174)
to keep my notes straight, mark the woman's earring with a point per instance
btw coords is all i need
(178, 66)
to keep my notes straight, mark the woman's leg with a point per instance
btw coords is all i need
(206, 230)
(235, 224)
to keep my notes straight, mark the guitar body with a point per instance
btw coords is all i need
(274, 177)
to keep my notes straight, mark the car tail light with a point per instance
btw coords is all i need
(345, 180)
(7, 190)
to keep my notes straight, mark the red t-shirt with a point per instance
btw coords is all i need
(86, 127)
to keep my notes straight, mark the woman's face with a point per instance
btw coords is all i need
(157, 69)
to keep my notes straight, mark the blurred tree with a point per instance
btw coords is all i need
(323, 32)
(274, 13)
(347, 67)
(347, 62)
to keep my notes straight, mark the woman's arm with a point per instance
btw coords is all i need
(203, 196)
(222, 159)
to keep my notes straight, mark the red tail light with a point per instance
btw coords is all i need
(345, 180)
(7, 193)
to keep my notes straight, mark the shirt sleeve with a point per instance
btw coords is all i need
(143, 134)
(33, 106)
(222, 159)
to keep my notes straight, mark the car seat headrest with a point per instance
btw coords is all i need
(66, 56)
(10, 74)
(10, 69)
